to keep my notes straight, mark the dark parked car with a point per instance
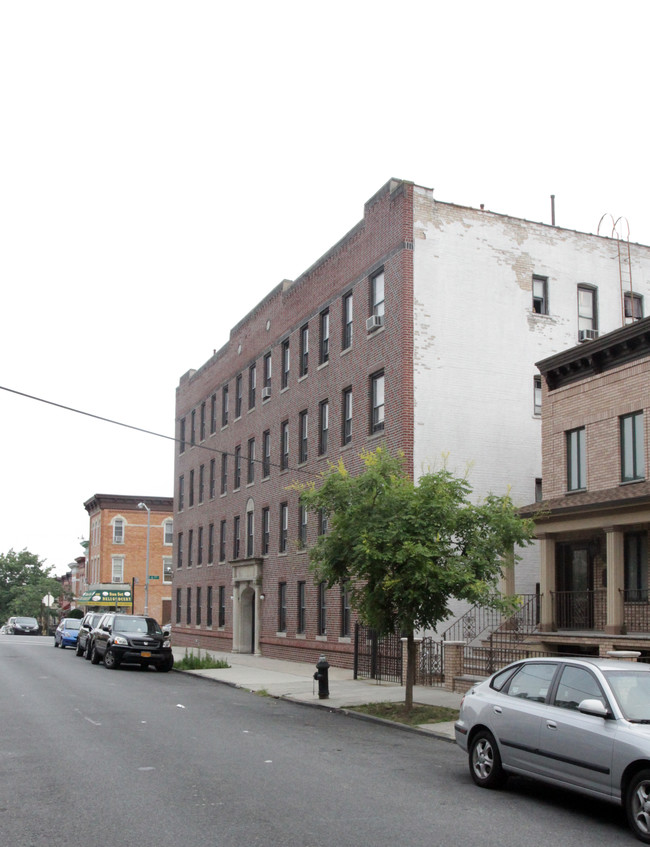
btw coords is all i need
(132, 639)
(24, 626)
(67, 632)
(581, 724)
(84, 642)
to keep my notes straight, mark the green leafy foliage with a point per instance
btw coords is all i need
(24, 581)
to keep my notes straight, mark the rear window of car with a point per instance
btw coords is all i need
(27, 621)
(72, 623)
(147, 625)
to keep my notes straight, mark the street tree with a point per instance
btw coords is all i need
(405, 549)
(24, 581)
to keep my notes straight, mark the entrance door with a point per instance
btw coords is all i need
(247, 621)
(575, 582)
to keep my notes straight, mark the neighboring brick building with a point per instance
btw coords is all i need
(419, 330)
(593, 523)
(116, 565)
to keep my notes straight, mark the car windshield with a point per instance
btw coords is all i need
(632, 691)
(148, 625)
(72, 624)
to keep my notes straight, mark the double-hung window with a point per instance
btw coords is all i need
(587, 310)
(323, 426)
(377, 400)
(345, 610)
(540, 295)
(377, 295)
(198, 605)
(576, 459)
(222, 542)
(286, 363)
(224, 473)
(212, 479)
(250, 533)
(181, 435)
(284, 527)
(537, 395)
(118, 531)
(237, 480)
(235, 537)
(304, 351)
(303, 427)
(238, 395)
(252, 385)
(324, 351)
(346, 436)
(224, 406)
(181, 493)
(266, 453)
(632, 447)
(284, 445)
(266, 530)
(282, 607)
(633, 304)
(117, 568)
(636, 566)
(322, 608)
(250, 478)
(267, 375)
(302, 609)
(347, 321)
(213, 414)
(302, 527)
(211, 544)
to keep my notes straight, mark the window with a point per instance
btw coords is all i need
(198, 605)
(222, 605)
(181, 493)
(540, 295)
(117, 569)
(302, 609)
(193, 428)
(201, 483)
(322, 609)
(202, 424)
(190, 548)
(266, 530)
(237, 481)
(324, 347)
(213, 414)
(303, 428)
(167, 569)
(208, 607)
(633, 304)
(576, 685)
(635, 547)
(178, 605)
(224, 406)
(284, 445)
(251, 461)
(302, 526)
(168, 528)
(282, 607)
(238, 396)
(632, 447)
(285, 363)
(179, 551)
(347, 416)
(191, 489)
(266, 453)
(181, 436)
(224, 473)
(323, 426)
(235, 537)
(267, 374)
(345, 610)
(212, 479)
(252, 384)
(377, 394)
(250, 533)
(323, 522)
(118, 531)
(532, 681)
(222, 541)
(587, 311)
(199, 546)
(377, 295)
(211, 544)
(537, 395)
(538, 490)
(284, 527)
(304, 351)
(576, 459)
(188, 607)
(346, 341)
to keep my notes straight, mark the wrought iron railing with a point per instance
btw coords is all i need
(580, 610)
(481, 621)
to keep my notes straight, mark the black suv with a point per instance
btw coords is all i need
(133, 639)
(84, 641)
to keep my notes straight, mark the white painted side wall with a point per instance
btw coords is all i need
(476, 339)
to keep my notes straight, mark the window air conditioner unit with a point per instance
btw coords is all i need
(587, 335)
(266, 392)
(374, 322)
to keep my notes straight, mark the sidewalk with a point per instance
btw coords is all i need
(295, 681)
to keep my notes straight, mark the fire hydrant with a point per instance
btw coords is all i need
(322, 675)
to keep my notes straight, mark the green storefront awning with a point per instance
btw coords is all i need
(106, 597)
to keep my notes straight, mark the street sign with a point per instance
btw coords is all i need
(153, 577)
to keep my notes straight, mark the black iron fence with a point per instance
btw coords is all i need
(375, 657)
(430, 668)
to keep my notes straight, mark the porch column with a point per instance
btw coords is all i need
(507, 581)
(615, 582)
(547, 583)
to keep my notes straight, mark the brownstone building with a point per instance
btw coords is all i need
(131, 538)
(593, 521)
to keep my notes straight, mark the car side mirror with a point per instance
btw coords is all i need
(593, 707)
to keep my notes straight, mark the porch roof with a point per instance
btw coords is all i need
(628, 496)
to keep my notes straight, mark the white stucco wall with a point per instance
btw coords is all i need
(476, 339)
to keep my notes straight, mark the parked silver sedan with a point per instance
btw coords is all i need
(582, 724)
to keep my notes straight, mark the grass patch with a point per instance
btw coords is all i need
(190, 662)
(397, 712)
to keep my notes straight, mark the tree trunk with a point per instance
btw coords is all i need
(410, 670)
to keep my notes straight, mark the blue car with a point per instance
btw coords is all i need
(67, 633)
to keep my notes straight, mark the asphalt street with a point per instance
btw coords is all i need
(112, 758)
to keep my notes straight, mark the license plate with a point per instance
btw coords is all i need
(145, 654)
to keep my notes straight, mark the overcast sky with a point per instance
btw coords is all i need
(164, 165)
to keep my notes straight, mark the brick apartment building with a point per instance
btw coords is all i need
(594, 519)
(419, 330)
(116, 565)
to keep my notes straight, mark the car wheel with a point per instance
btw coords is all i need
(95, 658)
(110, 660)
(89, 651)
(166, 666)
(485, 761)
(56, 643)
(78, 650)
(637, 805)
